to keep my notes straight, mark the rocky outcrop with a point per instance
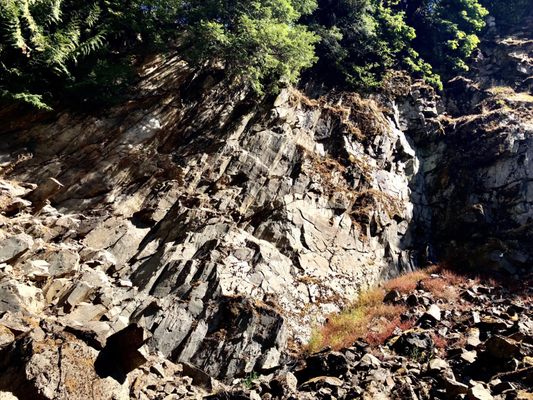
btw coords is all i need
(214, 230)
(481, 190)
(230, 227)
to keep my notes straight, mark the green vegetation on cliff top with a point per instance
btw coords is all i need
(54, 50)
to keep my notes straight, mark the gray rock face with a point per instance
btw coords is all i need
(481, 190)
(239, 225)
(226, 227)
(14, 246)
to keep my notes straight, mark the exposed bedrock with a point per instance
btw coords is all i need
(239, 225)
(227, 228)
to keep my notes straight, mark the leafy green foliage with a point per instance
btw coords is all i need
(258, 40)
(85, 49)
(361, 40)
(446, 31)
(81, 47)
(55, 46)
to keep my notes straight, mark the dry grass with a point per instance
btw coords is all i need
(406, 283)
(444, 286)
(370, 200)
(508, 93)
(441, 344)
(385, 329)
(361, 117)
(342, 329)
(374, 321)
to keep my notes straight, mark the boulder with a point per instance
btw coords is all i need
(62, 262)
(415, 344)
(454, 388)
(6, 336)
(121, 353)
(45, 191)
(13, 247)
(18, 297)
(502, 348)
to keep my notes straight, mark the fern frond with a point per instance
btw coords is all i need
(37, 39)
(34, 100)
(93, 16)
(90, 46)
(10, 25)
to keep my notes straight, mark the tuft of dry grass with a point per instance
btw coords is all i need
(508, 93)
(385, 329)
(342, 329)
(369, 318)
(407, 283)
(440, 342)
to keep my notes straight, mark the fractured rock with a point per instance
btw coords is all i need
(63, 263)
(43, 193)
(502, 348)
(18, 297)
(14, 246)
(121, 353)
(6, 336)
(479, 392)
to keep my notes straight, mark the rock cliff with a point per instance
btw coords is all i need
(481, 190)
(196, 229)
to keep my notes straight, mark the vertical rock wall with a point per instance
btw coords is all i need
(239, 225)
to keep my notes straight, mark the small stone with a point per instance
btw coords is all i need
(85, 313)
(63, 263)
(438, 364)
(125, 283)
(320, 381)
(122, 353)
(369, 361)
(434, 312)
(454, 388)
(392, 297)
(6, 336)
(503, 387)
(37, 269)
(469, 356)
(472, 338)
(55, 289)
(199, 376)
(479, 392)
(7, 396)
(16, 296)
(412, 300)
(79, 294)
(254, 395)
(469, 296)
(17, 205)
(43, 192)
(528, 361)
(159, 370)
(286, 383)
